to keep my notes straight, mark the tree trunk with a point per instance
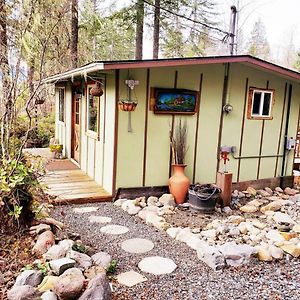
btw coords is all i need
(6, 106)
(139, 29)
(74, 33)
(156, 29)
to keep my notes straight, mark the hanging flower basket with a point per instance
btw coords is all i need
(126, 105)
(40, 100)
(96, 90)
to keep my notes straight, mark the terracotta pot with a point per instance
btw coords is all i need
(179, 184)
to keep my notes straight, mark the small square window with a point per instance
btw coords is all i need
(61, 104)
(260, 103)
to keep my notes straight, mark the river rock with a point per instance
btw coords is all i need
(252, 191)
(282, 218)
(48, 283)
(37, 229)
(276, 252)
(273, 206)
(249, 208)
(58, 266)
(29, 277)
(236, 255)
(43, 243)
(23, 292)
(236, 219)
(173, 232)
(49, 296)
(279, 190)
(290, 192)
(263, 193)
(167, 199)
(93, 271)
(211, 256)
(152, 201)
(69, 284)
(210, 234)
(133, 210)
(98, 288)
(234, 232)
(119, 202)
(291, 249)
(289, 235)
(102, 259)
(55, 252)
(296, 228)
(274, 236)
(83, 260)
(264, 254)
(66, 244)
(269, 191)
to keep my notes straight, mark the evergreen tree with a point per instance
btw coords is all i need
(258, 43)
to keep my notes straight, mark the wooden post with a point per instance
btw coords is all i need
(224, 182)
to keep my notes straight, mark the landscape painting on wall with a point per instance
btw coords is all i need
(175, 101)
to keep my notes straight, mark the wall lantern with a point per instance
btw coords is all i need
(227, 108)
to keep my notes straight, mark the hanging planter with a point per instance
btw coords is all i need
(126, 105)
(96, 90)
(40, 100)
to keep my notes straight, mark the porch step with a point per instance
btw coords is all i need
(73, 186)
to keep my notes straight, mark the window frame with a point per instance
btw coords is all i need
(59, 88)
(263, 91)
(91, 133)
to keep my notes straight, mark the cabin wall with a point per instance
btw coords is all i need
(143, 156)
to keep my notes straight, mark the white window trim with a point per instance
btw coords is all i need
(260, 116)
(59, 121)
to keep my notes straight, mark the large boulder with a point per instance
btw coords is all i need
(23, 292)
(48, 283)
(83, 260)
(58, 266)
(70, 284)
(211, 256)
(102, 259)
(55, 252)
(29, 277)
(43, 243)
(98, 288)
(167, 199)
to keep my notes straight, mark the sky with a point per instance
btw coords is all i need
(280, 17)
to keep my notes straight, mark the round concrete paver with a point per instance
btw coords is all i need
(99, 219)
(157, 265)
(137, 245)
(114, 229)
(85, 209)
(131, 278)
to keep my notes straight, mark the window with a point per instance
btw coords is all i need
(260, 103)
(93, 103)
(61, 104)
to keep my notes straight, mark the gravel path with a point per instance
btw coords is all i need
(192, 279)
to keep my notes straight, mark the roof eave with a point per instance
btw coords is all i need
(81, 71)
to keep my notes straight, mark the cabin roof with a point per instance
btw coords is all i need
(102, 66)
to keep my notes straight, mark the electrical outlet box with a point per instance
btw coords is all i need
(290, 143)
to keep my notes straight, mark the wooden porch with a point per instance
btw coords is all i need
(66, 183)
(74, 186)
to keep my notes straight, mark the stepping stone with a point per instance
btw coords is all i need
(99, 219)
(87, 209)
(114, 229)
(131, 278)
(157, 265)
(137, 246)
